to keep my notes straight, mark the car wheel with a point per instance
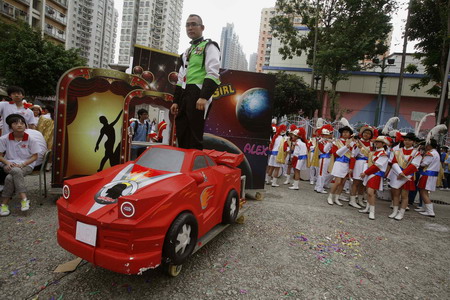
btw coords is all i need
(171, 269)
(181, 239)
(231, 208)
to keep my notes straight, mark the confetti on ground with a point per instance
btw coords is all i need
(14, 272)
(228, 264)
(243, 292)
(288, 294)
(342, 244)
(44, 286)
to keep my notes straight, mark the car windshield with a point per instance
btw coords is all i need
(163, 159)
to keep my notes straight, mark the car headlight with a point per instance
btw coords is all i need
(66, 191)
(127, 209)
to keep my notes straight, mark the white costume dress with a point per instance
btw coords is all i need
(431, 163)
(342, 155)
(274, 152)
(301, 152)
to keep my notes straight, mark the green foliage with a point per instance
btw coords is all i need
(292, 95)
(348, 32)
(429, 25)
(31, 62)
(411, 68)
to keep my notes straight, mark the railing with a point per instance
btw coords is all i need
(27, 2)
(12, 12)
(56, 33)
(7, 9)
(63, 3)
(55, 15)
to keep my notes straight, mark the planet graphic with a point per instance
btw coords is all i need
(254, 110)
(211, 141)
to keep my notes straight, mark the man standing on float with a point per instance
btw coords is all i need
(198, 78)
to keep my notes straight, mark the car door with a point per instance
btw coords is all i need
(207, 190)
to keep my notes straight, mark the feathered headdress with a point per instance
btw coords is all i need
(389, 123)
(421, 123)
(344, 122)
(435, 131)
(319, 123)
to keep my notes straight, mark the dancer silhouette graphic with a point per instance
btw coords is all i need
(108, 130)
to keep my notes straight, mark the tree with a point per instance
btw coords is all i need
(349, 31)
(433, 40)
(292, 95)
(29, 61)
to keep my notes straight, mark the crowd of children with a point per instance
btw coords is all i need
(362, 162)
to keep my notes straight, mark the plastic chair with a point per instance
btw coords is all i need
(42, 172)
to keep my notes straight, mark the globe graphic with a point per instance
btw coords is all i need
(253, 110)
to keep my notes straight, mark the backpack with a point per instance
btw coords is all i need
(135, 127)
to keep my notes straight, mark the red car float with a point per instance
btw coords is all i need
(149, 212)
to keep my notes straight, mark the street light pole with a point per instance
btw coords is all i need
(378, 110)
(380, 89)
(402, 65)
(443, 90)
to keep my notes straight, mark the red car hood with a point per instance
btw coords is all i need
(100, 202)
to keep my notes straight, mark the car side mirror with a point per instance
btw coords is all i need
(198, 177)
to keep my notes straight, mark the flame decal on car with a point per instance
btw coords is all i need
(205, 196)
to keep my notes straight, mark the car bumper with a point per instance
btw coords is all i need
(115, 261)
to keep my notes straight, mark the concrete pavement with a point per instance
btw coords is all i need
(291, 245)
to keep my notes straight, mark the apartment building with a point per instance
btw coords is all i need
(233, 56)
(252, 62)
(48, 16)
(85, 24)
(93, 29)
(151, 23)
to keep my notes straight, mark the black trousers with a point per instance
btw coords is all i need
(190, 121)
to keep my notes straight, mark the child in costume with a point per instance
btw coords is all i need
(324, 146)
(373, 175)
(342, 151)
(405, 162)
(299, 155)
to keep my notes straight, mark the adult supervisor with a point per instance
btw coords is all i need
(198, 78)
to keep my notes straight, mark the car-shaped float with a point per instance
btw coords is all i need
(149, 212)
